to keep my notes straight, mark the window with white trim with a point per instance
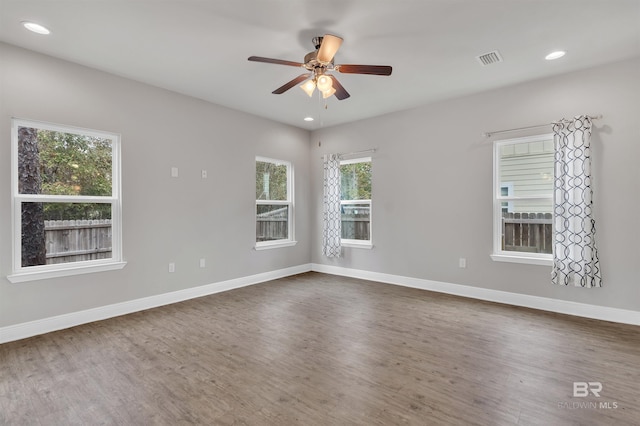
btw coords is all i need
(355, 201)
(523, 199)
(274, 203)
(66, 200)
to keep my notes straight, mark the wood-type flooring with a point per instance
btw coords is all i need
(317, 349)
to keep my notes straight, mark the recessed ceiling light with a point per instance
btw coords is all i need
(555, 55)
(308, 119)
(36, 28)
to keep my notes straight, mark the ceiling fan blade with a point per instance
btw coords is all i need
(299, 79)
(328, 48)
(275, 61)
(341, 93)
(365, 69)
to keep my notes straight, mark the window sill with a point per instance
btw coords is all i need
(44, 274)
(361, 245)
(531, 260)
(273, 245)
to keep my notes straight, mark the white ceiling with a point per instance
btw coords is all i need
(200, 48)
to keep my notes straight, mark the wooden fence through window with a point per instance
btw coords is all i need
(356, 227)
(527, 232)
(77, 240)
(270, 229)
(274, 227)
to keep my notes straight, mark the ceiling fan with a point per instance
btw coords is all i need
(320, 63)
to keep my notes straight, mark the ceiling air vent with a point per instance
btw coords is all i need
(489, 58)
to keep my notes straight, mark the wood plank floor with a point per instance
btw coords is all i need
(317, 349)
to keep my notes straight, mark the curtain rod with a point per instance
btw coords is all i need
(364, 151)
(489, 134)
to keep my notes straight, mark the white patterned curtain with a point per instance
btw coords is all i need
(332, 225)
(575, 258)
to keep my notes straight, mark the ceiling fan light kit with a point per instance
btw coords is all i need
(308, 86)
(327, 93)
(320, 63)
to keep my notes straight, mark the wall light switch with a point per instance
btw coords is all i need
(172, 267)
(174, 172)
(462, 262)
(204, 174)
(202, 263)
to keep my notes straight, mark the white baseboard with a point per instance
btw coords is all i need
(536, 302)
(47, 325)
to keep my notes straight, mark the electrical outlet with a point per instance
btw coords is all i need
(172, 267)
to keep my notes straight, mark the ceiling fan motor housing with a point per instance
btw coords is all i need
(311, 61)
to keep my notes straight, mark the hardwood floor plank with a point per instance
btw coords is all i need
(317, 349)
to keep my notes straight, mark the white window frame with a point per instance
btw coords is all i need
(499, 254)
(290, 241)
(38, 272)
(348, 242)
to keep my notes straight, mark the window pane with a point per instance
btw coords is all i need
(355, 181)
(526, 168)
(356, 221)
(506, 191)
(272, 222)
(271, 181)
(59, 163)
(528, 228)
(65, 232)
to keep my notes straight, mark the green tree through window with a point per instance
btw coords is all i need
(74, 164)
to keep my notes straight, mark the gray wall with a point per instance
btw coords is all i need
(432, 184)
(212, 218)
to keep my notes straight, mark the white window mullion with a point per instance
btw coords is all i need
(39, 198)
